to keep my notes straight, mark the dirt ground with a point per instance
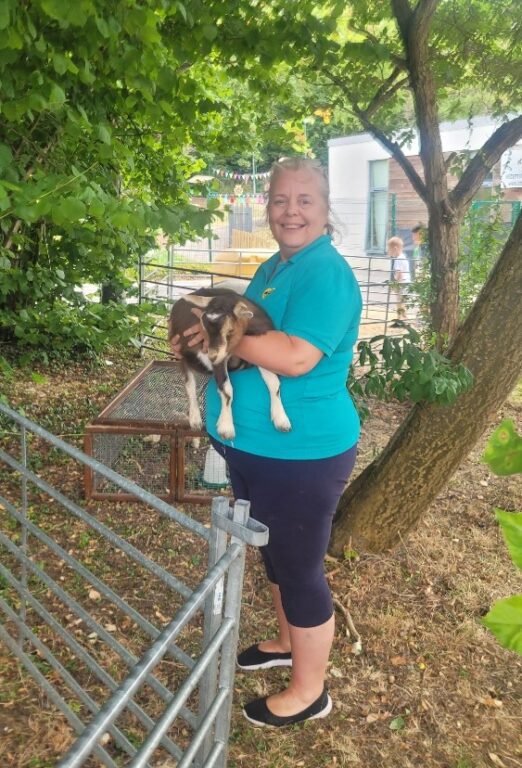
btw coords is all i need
(432, 688)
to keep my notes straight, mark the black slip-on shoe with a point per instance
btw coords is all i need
(253, 658)
(258, 713)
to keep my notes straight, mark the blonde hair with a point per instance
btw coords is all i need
(396, 242)
(303, 164)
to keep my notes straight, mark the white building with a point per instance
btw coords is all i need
(372, 198)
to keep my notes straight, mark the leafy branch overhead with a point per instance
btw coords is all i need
(101, 109)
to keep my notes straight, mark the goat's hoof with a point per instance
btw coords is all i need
(196, 424)
(227, 433)
(283, 425)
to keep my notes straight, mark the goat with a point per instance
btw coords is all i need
(226, 317)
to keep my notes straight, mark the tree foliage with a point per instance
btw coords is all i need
(101, 107)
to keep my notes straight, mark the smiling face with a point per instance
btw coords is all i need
(297, 209)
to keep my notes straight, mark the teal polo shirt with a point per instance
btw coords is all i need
(315, 296)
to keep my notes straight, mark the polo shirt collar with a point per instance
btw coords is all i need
(323, 239)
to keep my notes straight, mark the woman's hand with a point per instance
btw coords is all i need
(195, 335)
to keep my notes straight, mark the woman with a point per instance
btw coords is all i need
(294, 480)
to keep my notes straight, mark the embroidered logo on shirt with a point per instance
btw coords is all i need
(267, 292)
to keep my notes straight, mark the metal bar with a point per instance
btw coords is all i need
(71, 603)
(215, 755)
(213, 613)
(23, 521)
(66, 676)
(251, 532)
(90, 577)
(93, 665)
(232, 609)
(109, 712)
(122, 482)
(170, 714)
(202, 732)
(114, 538)
(52, 695)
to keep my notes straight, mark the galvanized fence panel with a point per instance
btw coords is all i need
(128, 627)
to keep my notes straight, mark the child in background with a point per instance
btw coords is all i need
(401, 276)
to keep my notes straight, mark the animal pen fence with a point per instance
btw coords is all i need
(131, 631)
(241, 240)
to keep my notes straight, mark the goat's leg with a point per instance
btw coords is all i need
(277, 412)
(225, 424)
(194, 414)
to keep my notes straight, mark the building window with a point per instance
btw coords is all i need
(377, 207)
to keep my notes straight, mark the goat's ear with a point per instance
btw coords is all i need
(199, 301)
(242, 310)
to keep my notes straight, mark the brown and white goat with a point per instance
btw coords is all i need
(226, 317)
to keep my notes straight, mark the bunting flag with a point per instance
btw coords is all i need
(239, 176)
(245, 199)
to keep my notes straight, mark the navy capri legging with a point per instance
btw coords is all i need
(297, 500)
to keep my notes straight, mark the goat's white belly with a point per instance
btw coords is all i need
(204, 359)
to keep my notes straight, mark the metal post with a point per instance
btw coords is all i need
(170, 271)
(368, 277)
(25, 535)
(213, 614)
(141, 279)
(232, 610)
(393, 213)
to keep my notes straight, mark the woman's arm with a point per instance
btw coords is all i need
(279, 352)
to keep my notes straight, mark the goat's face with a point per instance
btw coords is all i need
(225, 330)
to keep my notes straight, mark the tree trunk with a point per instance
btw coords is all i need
(389, 497)
(443, 237)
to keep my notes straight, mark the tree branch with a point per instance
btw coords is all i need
(389, 144)
(394, 148)
(386, 91)
(396, 60)
(403, 14)
(478, 168)
(422, 16)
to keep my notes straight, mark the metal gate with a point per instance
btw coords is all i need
(139, 661)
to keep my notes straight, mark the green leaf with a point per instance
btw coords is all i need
(38, 378)
(511, 524)
(181, 8)
(505, 621)
(96, 208)
(397, 724)
(503, 452)
(210, 31)
(103, 27)
(104, 134)
(4, 16)
(60, 63)
(69, 210)
(56, 97)
(6, 156)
